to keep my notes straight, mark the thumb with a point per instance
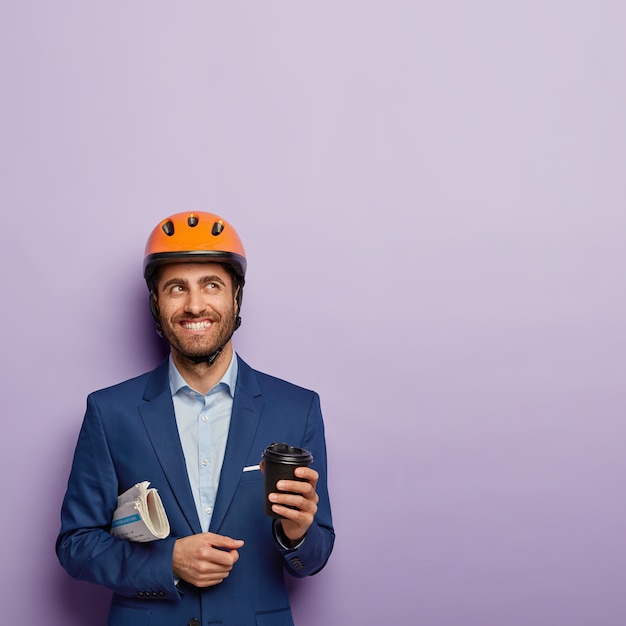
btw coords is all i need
(222, 541)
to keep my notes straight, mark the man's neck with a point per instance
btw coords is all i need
(201, 376)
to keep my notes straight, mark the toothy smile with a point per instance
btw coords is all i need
(195, 326)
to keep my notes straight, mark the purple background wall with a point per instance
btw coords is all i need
(432, 197)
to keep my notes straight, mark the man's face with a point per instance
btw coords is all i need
(197, 307)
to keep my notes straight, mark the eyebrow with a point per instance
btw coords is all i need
(211, 278)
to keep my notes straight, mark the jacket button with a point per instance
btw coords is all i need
(194, 621)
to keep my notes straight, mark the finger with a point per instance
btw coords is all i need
(211, 569)
(214, 578)
(301, 519)
(293, 500)
(296, 486)
(222, 541)
(222, 558)
(307, 474)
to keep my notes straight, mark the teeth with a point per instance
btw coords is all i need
(196, 325)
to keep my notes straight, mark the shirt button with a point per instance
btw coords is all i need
(205, 462)
(208, 510)
(204, 418)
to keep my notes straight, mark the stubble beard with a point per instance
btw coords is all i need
(197, 349)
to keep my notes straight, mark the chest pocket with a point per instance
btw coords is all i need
(251, 474)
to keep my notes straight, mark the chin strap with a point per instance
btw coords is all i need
(209, 358)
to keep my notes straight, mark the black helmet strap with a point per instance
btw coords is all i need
(209, 358)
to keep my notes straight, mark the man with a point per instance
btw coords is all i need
(195, 428)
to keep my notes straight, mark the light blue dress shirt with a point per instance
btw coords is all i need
(203, 422)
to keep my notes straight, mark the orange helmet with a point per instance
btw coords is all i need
(197, 236)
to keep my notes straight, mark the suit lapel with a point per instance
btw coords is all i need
(160, 423)
(247, 409)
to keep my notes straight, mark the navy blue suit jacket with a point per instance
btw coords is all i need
(129, 435)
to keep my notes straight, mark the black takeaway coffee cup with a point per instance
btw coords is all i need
(279, 463)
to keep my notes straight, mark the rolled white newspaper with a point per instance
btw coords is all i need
(140, 515)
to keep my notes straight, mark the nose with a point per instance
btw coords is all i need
(194, 302)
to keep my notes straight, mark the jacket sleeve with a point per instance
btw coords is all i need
(313, 553)
(85, 547)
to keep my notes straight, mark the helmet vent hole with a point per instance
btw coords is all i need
(217, 229)
(168, 228)
(192, 220)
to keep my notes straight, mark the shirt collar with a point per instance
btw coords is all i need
(177, 382)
